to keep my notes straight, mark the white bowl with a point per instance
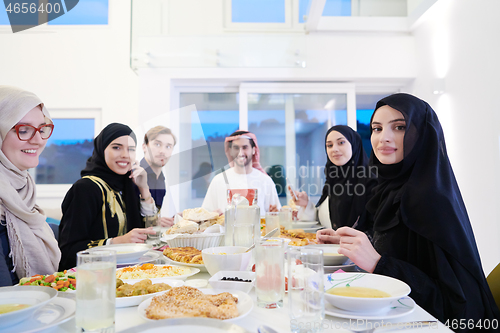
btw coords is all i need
(198, 241)
(394, 287)
(226, 258)
(34, 296)
(217, 283)
(331, 257)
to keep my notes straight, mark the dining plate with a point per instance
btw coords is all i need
(398, 308)
(314, 229)
(57, 311)
(348, 267)
(244, 305)
(146, 258)
(125, 252)
(123, 302)
(201, 267)
(166, 278)
(305, 224)
(187, 325)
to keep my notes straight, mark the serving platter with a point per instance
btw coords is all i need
(187, 325)
(305, 224)
(123, 302)
(148, 257)
(165, 279)
(244, 305)
(201, 267)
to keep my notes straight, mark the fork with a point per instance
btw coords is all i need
(397, 326)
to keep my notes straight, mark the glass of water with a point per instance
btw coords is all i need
(306, 298)
(270, 272)
(154, 222)
(272, 222)
(96, 291)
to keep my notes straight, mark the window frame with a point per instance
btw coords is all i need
(50, 191)
(291, 20)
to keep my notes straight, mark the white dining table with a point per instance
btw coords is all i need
(277, 319)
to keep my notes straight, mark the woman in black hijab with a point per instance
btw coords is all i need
(347, 186)
(422, 233)
(103, 206)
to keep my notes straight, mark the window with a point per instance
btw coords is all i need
(259, 15)
(72, 12)
(365, 105)
(215, 117)
(258, 11)
(289, 119)
(86, 12)
(290, 129)
(66, 152)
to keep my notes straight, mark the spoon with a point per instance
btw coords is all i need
(265, 329)
(269, 234)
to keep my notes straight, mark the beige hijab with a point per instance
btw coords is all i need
(33, 247)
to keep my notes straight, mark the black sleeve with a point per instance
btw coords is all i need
(81, 223)
(448, 292)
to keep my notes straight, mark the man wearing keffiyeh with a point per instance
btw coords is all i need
(244, 172)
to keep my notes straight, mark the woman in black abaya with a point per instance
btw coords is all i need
(347, 186)
(103, 207)
(422, 233)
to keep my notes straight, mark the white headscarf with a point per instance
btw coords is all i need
(33, 248)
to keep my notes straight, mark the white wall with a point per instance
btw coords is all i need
(458, 41)
(72, 68)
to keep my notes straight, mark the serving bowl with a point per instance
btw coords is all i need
(33, 296)
(217, 283)
(394, 287)
(226, 258)
(198, 241)
(190, 271)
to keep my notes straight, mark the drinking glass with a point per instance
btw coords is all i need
(286, 218)
(272, 221)
(154, 222)
(96, 291)
(269, 272)
(306, 298)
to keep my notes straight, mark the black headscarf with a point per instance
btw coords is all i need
(422, 188)
(96, 166)
(349, 178)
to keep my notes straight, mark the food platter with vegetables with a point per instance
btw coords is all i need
(61, 281)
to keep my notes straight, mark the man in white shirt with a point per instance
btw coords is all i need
(245, 173)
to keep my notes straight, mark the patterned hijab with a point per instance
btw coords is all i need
(33, 247)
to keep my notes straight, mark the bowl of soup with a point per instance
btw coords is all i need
(20, 302)
(363, 292)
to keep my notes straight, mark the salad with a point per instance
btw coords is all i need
(61, 281)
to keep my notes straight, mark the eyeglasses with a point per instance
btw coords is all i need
(27, 132)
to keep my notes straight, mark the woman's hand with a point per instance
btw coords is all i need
(137, 235)
(166, 221)
(356, 245)
(300, 198)
(139, 177)
(327, 236)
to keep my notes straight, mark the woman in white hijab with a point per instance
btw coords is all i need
(27, 244)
